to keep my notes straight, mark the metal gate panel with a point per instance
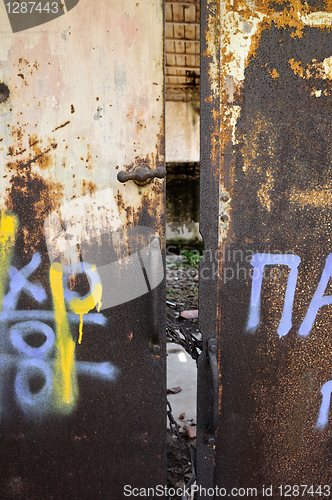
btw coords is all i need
(266, 223)
(82, 391)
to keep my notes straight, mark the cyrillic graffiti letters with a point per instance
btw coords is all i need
(323, 416)
(259, 261)
(319, 299)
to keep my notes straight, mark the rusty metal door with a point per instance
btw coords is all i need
(82, 380)
(265, 280)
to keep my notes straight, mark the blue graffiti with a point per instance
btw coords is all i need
(37, 362)
(319, 299)
(259, 261)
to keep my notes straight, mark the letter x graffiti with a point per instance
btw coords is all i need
(30, 362)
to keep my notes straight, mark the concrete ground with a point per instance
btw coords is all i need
(181, 372)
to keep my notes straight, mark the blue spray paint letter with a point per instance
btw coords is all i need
(318, 300)
(323, 416)
(259, 261)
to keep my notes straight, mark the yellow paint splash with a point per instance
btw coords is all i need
(83, 306)
(65, 380)
(8, 230)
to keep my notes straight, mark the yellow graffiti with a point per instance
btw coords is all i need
(65, 380)
(8, 230)
(83, 306)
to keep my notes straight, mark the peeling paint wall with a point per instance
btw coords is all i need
(64, 124)
(182, 146)
(182, 131)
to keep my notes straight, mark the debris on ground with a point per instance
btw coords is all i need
(182, 329)
(182, 290)
(191, 431)
(192, 314)
(174, 390)
(178, 463)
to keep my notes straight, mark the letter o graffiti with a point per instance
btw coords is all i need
(20, 330)
(31, 403)
(79, 268)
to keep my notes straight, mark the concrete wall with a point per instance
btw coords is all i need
(182, 131)
(182, 145)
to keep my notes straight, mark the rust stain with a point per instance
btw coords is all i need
(32, 198)
(212, 39)
(88, 159)
(314, 198)
(150, 211)
(33, 140)
(88, 187)
(272, 142)
(24, 91)
(274, 73)
(244, 22)
(327, 65)
(37, 155)
(212, 36)
(296, 67)
(265, 190)
(61, 126)
(121, 205)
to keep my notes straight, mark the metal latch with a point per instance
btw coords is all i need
(212, 357)
(142, 175)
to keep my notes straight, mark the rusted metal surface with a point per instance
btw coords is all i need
(82, 412)
(270, 171)
(209, 223)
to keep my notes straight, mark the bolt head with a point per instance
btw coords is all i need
(213, 348)
(156, 348)
(224, 217)
(211, 441)
(155, 243)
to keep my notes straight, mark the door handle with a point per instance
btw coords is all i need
(212, 357)
(141, 175)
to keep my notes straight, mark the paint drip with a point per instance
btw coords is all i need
(83, 306)
(8, 230)
(65, 379)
